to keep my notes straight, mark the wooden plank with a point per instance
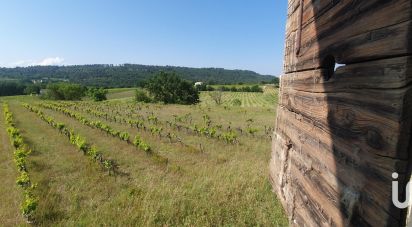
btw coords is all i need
(381, 43)
(330, 151)
(354, 35)
(338, 139)
(381, 74)
(306, 176)
(326, 205)
(311, 9)
(323, 203)
(292, 7)
(292, 24)
(358, 174)
(374, 122)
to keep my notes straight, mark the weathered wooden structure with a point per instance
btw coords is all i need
(341, 133)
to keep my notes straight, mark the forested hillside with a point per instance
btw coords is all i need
(128, 75)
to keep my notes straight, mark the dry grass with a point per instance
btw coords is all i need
(225, 185)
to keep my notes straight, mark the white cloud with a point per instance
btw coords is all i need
(51, 61)
(43, 62)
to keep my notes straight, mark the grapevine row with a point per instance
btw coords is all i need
(22, 151)
(124, 136)
(77, 140)
(209, 131)
(154, 129)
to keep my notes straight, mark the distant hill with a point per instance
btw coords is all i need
(128, 75)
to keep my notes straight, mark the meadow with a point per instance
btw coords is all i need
(121, 163)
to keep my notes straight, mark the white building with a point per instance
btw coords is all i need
(198, 84)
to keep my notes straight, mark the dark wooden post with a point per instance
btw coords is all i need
(342, 131)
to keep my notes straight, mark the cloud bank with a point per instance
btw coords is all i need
(43, 62)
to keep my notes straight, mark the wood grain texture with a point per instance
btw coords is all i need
(341, 133)
(351, 31)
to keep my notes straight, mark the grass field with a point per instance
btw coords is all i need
(121, 93)
(216, 173)
(267, 99)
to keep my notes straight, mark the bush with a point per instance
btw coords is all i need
(216, 96)
(8, 88)
(97, 94)
(210, 88)
(65, 91)
(223, 88)
(256, 88)
(246, 89)
(201, 87)
(169, 88)
(237, 102)
(32, 89)
(142, 96)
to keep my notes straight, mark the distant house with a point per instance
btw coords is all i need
(198, 84)
(37, 81)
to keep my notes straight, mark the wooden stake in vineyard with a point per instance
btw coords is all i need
(344, 119)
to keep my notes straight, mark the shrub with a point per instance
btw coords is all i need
(97, 94)
(23, 180)
(124, 136)
(201, 87)
(146, 147)
(229, 137)
(8, 88)
(169, 88)
(137, 140)
(142, 96)
(223, 88)
(29, 203)
(65, 91)
(256, 88)
(81, 143)
(216, 96)
(32, 89)
(94, 153)
(236, 102)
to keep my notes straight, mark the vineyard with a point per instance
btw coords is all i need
(247, 99)
(122, 163)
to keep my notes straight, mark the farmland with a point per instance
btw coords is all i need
(267, 99)
(123, 163)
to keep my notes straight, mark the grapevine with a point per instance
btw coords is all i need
(22, 151)
(77, 140)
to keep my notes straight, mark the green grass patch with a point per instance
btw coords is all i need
(205, 182)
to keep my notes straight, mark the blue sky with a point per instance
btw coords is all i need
(233, 34)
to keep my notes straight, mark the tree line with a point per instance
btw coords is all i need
(10, 88)
(129, 75)
(164, 87)
(253, 88)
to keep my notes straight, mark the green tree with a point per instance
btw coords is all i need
(9, 88)
(65, 91)
(97, 94)
(32, 89)
(256, 88)
(169, 88)
(141, 96)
